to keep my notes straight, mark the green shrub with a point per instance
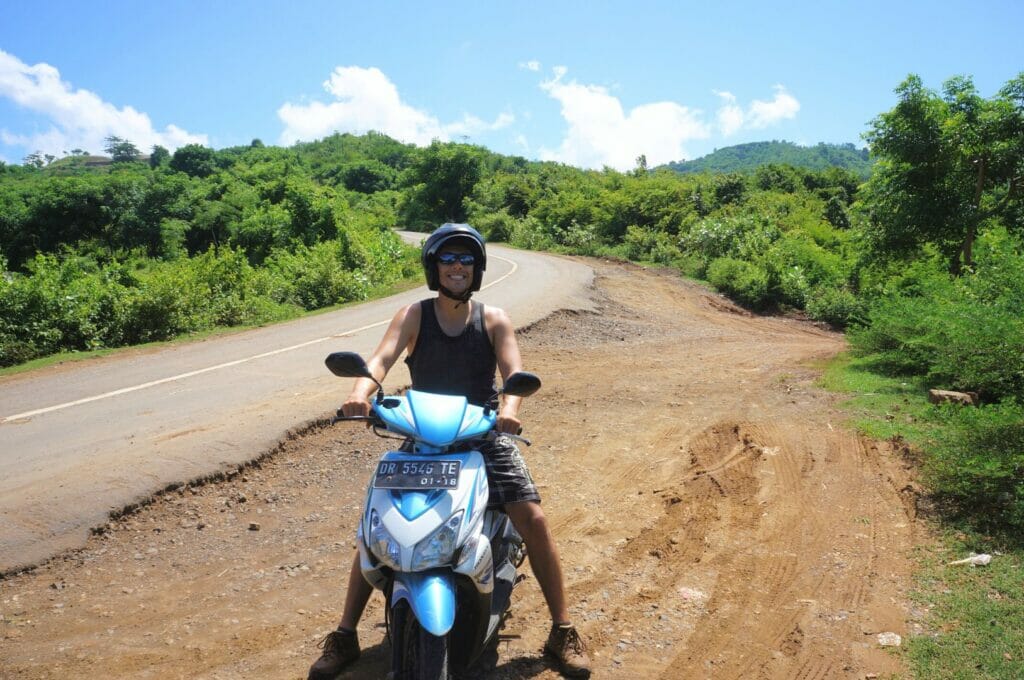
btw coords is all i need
(791, 283)
(836, 306)
(743, 281)
(495, 225)
(819, 266)
(528, 232)
(163, 305)
(965, 333)
(712, 238)
(691, 266)
(650, 246)
(979, 466)
(744, 237)
(898, 335)
(315, 276)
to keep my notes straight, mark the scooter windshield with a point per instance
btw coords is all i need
(436, 419)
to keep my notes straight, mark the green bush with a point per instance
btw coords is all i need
(836, 306)
(315, 276)
(495, 226)
(819, 265)
(650, 246)
(965, 333)
(898, 333)
(741, 237)
(743, 281)
(791, 283)
(528, 232)
(979, 466)
(163, 304)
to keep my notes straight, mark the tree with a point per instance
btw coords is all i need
(835, 213)
(947, 164)
(121, 150)
(159, 156)
(35, 159)
(195, 160)
(641, 165)
(439, 179)
(367, 176)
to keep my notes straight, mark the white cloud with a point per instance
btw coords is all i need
(761, 114)
(368, 100)
(79, 118)
(532, 65)
(601, 133)
(470, 125)
(730, 115)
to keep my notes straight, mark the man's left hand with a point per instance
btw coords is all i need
(508, 424)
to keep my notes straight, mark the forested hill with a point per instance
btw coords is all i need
(747, 157)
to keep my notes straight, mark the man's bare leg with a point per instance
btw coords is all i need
(529, 520)
(564, 642)
(356, 597)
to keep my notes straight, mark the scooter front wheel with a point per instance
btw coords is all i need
(415, 653)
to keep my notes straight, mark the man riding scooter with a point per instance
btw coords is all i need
(454, 346)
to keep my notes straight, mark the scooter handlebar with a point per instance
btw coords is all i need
(341, 417)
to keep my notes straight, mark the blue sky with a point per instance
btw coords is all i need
(586, 83)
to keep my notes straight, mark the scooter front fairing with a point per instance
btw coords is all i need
(425, 508)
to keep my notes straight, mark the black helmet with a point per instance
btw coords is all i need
(450, 234)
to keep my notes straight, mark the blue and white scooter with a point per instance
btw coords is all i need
(445, 562)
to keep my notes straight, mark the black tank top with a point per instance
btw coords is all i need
(462, 365)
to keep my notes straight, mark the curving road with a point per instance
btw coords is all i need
(78, 441)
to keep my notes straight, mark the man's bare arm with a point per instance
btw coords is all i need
(506, 350)
(399, 335)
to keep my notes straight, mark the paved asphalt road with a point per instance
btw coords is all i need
(82, 439)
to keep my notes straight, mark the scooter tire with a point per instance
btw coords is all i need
(415, 653)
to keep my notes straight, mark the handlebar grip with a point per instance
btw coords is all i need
(340, 416)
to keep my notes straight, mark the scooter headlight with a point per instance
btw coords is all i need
(382, 544)
(436, 549)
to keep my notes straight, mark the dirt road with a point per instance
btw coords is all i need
(714, 517)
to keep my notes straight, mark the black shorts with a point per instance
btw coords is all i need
(508, 479)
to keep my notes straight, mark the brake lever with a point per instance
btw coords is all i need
(517, 437)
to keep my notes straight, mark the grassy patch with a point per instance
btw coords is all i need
(972, 618)
(881, 407)
(975, 622)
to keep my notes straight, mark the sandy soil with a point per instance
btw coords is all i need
(715, 520)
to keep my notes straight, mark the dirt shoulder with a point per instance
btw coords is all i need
(714, 520)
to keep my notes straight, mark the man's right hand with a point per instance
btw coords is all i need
(356, 405)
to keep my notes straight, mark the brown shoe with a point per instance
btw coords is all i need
(566, 645)
(341, 648)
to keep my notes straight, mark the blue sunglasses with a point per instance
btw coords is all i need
(465, 259)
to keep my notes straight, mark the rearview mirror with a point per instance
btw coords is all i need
(521, 384)
(348, 365)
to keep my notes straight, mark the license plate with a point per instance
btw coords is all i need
(417, 474)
